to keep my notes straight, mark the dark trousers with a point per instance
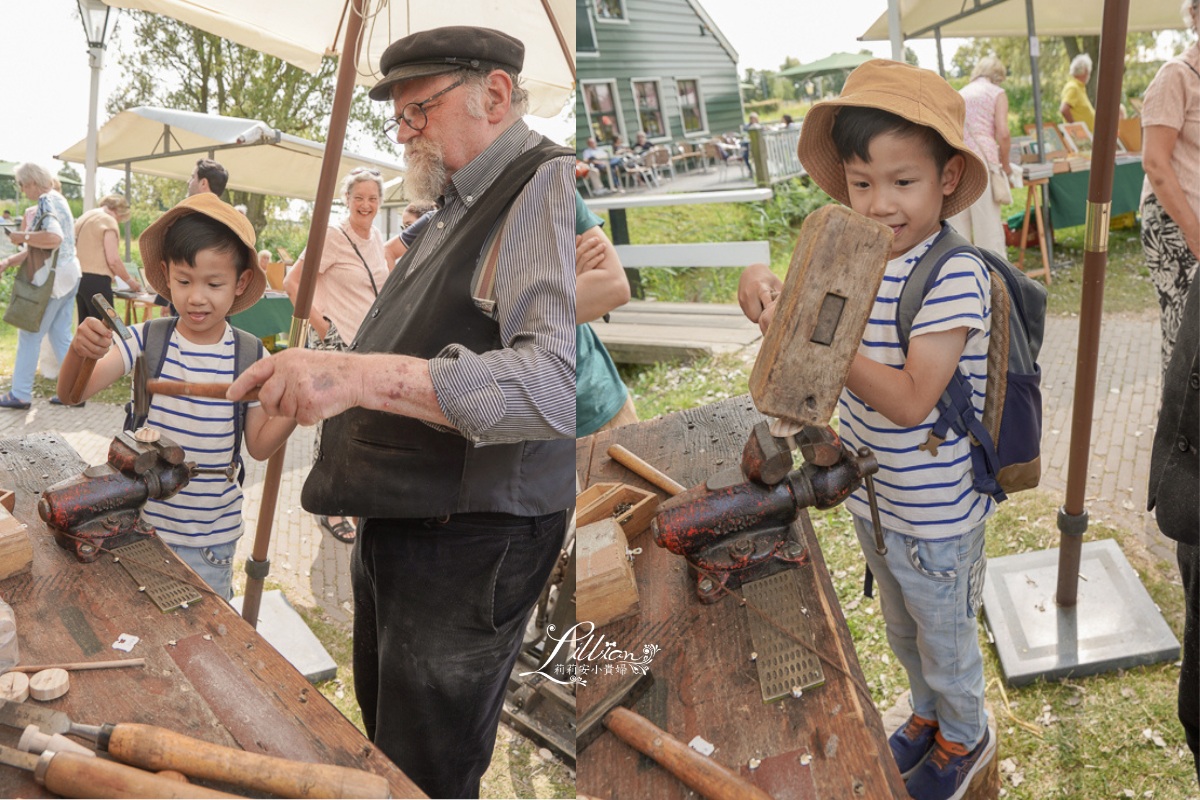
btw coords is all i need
(1188, 557)
(439, 618)
(89, 285)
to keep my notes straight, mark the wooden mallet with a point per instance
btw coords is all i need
(108, 316)
(697, 771)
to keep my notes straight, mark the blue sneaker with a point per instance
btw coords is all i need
(947, 773)
(911, 742)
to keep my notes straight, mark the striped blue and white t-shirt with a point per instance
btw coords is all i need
(921, 495)
(208, 511)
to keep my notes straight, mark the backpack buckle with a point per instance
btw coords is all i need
(931, 444)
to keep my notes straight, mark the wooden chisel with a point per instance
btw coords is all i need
(157, 749)
(74, 775)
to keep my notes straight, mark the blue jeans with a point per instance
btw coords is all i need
(213, 564)
(60, 313)
(929, 592)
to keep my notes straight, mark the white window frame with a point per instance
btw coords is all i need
(624, 20)
(591, 18)
(662, 110)
(699, 99)
(616, 96)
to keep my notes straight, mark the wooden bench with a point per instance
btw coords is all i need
(649, 332)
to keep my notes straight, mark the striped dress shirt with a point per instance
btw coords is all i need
(525, 390)
(925, 496)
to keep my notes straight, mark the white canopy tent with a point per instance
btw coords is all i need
(922, 19)
(306, 30)
(166, 143)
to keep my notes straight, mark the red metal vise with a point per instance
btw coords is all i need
(102, 505)
(734, 532)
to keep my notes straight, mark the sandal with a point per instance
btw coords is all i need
(11, 401)
(343, 531)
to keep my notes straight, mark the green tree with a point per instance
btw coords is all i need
(174, 65)
(72, 183)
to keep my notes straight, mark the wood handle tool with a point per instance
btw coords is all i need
(184, 389)
(697, 771)
(75, 775)
(644, 469)
(159, 749)
(108, 316)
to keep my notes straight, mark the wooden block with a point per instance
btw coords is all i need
(14, 686)
(606, 589)
(8, 499)
(49, 684)
(633, 508)
(827, 297)
(16, 550)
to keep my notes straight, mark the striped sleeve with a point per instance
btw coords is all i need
(526, 389)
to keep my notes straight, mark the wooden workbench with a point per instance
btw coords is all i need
(208, 674)
(828, 743)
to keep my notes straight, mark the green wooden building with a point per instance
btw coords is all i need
(659, 66)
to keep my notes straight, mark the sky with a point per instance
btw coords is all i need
(747, 24)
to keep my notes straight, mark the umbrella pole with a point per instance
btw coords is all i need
(259, 565)
(1072, 517)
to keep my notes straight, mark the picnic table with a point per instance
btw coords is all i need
(827, 743)
(208, 674)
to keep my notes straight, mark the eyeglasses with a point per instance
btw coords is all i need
(415, 115)
(367, 170)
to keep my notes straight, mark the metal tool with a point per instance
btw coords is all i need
(75, 775)
(734, 531)
(101, 506)
(109, 317)
(144, 388)
(154, 748)
(698, 772)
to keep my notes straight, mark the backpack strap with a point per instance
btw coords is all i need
(156, 339)
(247, 349)
(925, 274)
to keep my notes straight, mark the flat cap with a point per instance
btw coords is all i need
(442, 50)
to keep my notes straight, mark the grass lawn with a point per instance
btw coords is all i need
(1109, 736)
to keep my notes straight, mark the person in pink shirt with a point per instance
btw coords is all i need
(353, 267)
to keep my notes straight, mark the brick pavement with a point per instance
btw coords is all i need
(314, 568)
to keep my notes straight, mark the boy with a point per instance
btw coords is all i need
(200, 256)
(891, 147)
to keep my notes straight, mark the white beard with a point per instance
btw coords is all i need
(425, 179)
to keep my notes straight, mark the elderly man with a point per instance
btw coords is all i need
(1076, 107)
(450, 419)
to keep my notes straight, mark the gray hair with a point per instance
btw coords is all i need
(353, 178)
(1188, 11)
(1081, 64)
(991, 68)
(33, 174)
(476, 83)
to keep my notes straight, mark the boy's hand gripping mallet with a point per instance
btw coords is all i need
(108, 316)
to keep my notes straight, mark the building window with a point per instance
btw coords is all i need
(691, 106)
(647, 97)
(585, 32)
(600, 102)
(611, 11)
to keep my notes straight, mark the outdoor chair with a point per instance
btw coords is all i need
(718, 155)
(659, 160)
(635, 170)
(688, 154)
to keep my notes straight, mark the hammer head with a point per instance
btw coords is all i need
(109, 316)
(626, 693)
(141, 395)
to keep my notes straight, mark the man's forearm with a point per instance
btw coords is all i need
(400, 385)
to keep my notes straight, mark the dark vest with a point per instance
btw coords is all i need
(375, 464)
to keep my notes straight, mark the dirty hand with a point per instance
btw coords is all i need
(588, 253)
(92, 339)
(758, 291)
(305, 385)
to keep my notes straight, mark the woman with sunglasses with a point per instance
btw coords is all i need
(354, 265)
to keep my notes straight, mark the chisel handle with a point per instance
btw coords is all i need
(707, 777)
(154, 748)
(184, 389)
(645, 469)
(74, 775)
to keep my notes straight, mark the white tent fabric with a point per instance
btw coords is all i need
(1052, 18)
(259, 158)
(301, 32)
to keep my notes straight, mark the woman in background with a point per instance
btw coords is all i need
(985, 131)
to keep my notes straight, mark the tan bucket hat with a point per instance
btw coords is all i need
(151, 245)
(917, 95)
